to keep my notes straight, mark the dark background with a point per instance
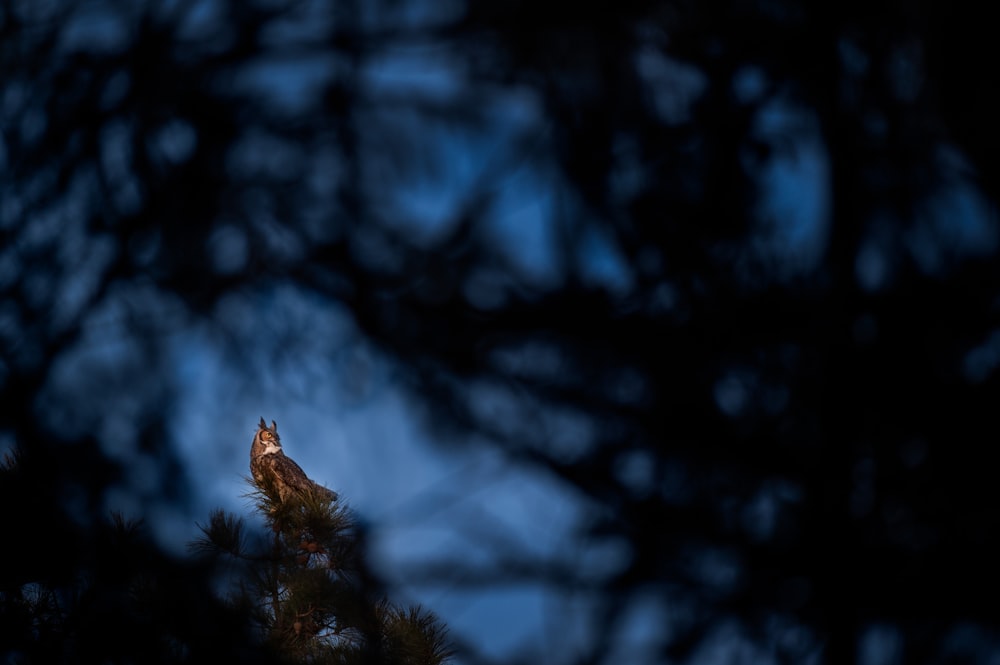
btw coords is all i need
(726, 269)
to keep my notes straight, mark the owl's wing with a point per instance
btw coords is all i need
(287, 476)
(289, 473)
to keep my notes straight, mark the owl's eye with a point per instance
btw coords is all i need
(266, 435)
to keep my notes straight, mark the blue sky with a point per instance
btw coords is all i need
(339, 406)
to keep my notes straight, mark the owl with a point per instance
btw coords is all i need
(270, 465)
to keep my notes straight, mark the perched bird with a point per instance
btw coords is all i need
(271, 467)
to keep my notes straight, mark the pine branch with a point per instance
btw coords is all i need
(11, 460)
(222, 535)
(124, 526)
(302, 584)
(416, 636)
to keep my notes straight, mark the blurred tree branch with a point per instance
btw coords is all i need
(809, 413)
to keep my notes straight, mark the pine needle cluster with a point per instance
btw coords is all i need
(304, 582)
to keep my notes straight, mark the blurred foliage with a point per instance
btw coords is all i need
(105, 593)
(726, 268)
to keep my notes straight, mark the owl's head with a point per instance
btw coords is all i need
(266, 441)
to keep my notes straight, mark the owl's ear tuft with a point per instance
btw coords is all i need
(274, 427)
(262, 424)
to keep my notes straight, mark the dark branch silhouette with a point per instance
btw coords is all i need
(726, 269)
